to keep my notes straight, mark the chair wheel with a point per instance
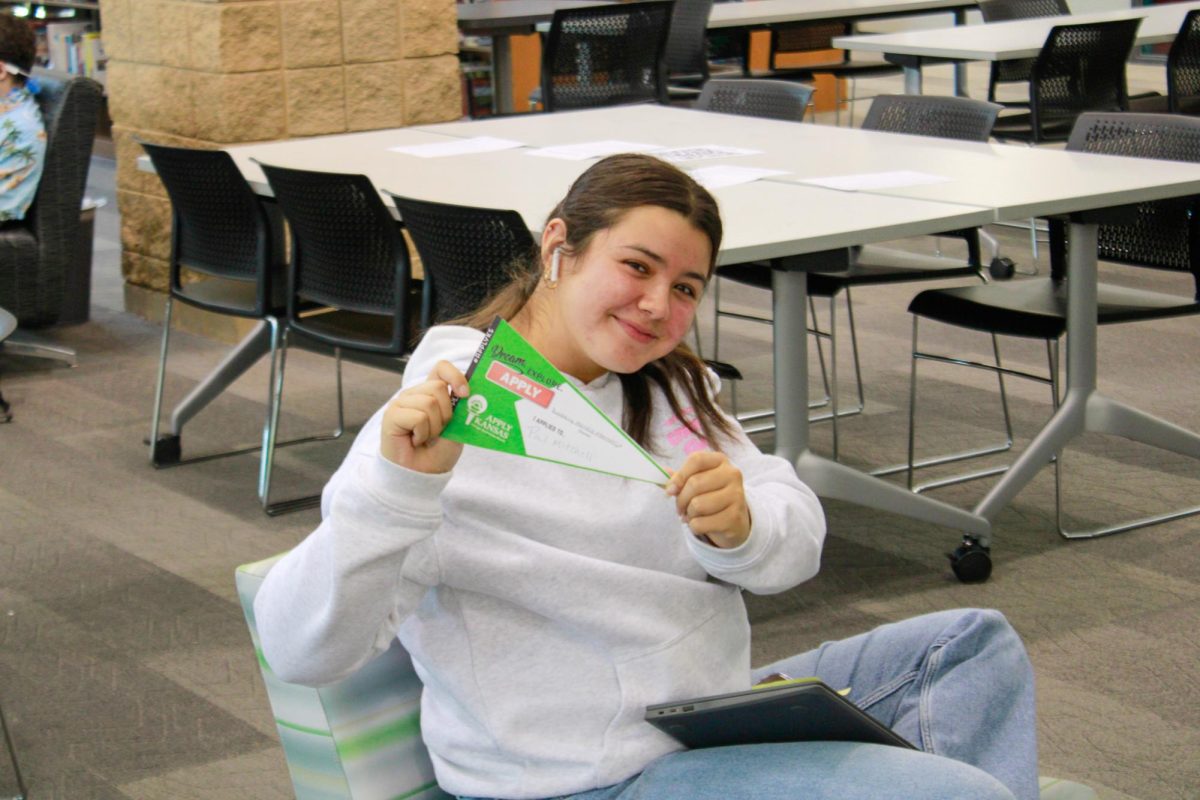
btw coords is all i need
(971, 562)
(168, 450)
(1002, 268)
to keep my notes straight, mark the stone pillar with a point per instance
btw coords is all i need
(208, 73)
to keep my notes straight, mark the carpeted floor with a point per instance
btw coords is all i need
(125, 667)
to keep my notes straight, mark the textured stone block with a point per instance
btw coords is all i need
(145, 224)
(144, 31)
(242, 107)
(370, 30)
(432, 90)
(174, 48)
(374, 96)
(236, 37)
(316, 101)
(165, 94)
(430, 28)
(124, 102)
(118, 43)
(150, 97)
(141, 270)
(312, 34)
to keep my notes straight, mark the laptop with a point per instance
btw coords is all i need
(795, 711)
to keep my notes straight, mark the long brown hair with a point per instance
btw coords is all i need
(596, 201)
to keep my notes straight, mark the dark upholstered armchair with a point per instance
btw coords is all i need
(36, 252)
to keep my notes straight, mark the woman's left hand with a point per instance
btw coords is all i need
(710, 498)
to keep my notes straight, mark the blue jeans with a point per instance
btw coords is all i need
(957, 684)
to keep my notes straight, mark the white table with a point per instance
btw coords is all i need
(502, 19)
(1011, 182)
(1001, 41)
(760, 223)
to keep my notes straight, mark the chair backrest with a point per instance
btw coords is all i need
(1017, 69)
(347, 254)
(752, 97)
(932, 115)
(1164, 234)
(69, 108)
(686, 50)
(1081, 68)
(1183, 67)
(355, 739)
(807, 37)
(1005, 10)
(218, 226)
(606, 55)
(466, 252)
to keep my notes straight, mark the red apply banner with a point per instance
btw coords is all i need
(520, 385)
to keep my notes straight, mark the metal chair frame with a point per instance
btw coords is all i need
(1123, 236)
(202, 243)
(349, 310)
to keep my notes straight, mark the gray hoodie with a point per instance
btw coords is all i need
(544, 606)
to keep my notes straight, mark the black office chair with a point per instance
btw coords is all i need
(1183, 74)
(466, 253)
(606, 55)
(350, 260)
(1016, 70)
(1080, 68)
(948, 117)
(1160, 235)
(804, 38)
(37, 252)
(686, 51)
(226, 258)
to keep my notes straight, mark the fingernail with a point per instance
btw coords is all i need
(672, 489)
(462, 390)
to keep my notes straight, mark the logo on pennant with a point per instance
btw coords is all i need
(522, 405)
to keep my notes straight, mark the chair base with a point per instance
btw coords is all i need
(22, 343)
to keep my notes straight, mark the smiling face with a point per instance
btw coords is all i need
(627, 299)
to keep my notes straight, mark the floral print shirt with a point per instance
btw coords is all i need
(22, 151)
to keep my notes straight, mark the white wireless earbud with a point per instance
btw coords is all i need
(555, 262)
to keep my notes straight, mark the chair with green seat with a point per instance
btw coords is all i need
(360, 738)
(357, 739)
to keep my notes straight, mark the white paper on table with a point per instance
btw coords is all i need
(585, 150)
(701, 151)
(877, 180)
(721, 175)
(457, 147)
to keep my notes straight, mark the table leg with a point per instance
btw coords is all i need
(245, 355)
(825, 477)
(1083, 409)
(502, 73)
(960, 67)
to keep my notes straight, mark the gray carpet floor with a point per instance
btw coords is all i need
(125, 666)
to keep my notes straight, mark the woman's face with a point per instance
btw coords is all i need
(630, 296)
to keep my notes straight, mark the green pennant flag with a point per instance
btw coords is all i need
(520, 404)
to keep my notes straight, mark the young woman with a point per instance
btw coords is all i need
(545, 607)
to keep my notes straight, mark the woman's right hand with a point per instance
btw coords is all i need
(414, 419)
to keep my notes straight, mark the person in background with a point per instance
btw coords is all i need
(545, 607)
(22, 132)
